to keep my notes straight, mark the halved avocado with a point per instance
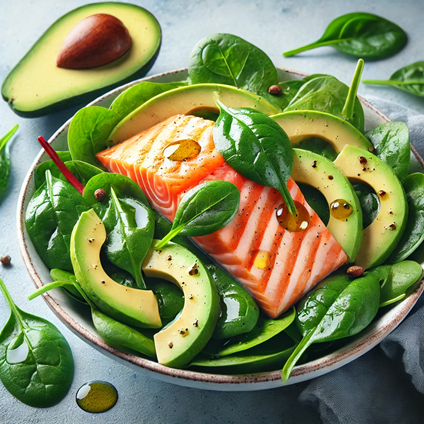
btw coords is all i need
(302, 125)
(383, 234)
(320, 173)
(36, 86)
(186, 100)
(181, 340)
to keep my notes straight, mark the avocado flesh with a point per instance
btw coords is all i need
(315, 170)
(382, 235)
(301, 125)
(130, 306)
(36, 86)
(184, 100)
(179, 342)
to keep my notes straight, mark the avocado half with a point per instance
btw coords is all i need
(36, 86)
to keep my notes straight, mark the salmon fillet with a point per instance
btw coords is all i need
(275, 265)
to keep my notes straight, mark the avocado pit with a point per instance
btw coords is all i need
(95, 41)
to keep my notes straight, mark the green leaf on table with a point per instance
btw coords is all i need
(50, 218)
(203, 210)
(228, 59)
(257, 147)
(36, 364)
(5, 160)
(360, 35)
(409, 78)
(391, 143)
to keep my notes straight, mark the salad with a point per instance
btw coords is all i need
(230, 223)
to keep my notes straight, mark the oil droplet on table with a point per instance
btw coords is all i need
(182, 150)
(290, 222)
(97, 396)
(261, 259)
(340, 209)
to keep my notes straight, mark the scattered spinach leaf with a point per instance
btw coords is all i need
(369, 202)
(409, 78)
(50, 218)
(360, 35)
(203, 210)
(326, 93)
(89, 132)
(337, 307)
(5, 160)
(413, 235)
(391, 143)
(36, 364)
(256, 147)
(228, 59)
(135, 96)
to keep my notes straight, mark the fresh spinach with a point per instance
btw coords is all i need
(391, 143)
(316, 201)
(369, 202)
(319, 146)
(5, 160)
(40, 171)
(326, 93)
(89, 132)
(50, 218)
(288, 90)
(352, 97)
(140, 93)
(413, 235)
(60, 275)
(36, 364)
(400, 278)
(227, 59)
(336, 308)
(203, 210)
(409, 79)
(256, 147)
(239, 311)
(360, 35)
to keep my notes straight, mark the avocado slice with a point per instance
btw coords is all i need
(383, 234)
(320, 173)
(302, 125)
(130, 306)
(181, 340)
(36, 86)
(186, 100)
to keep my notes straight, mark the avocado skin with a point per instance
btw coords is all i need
(87, 96)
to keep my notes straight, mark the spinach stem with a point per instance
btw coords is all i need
(288, 199)
(48, 287)
(390, 82)
(168, 237)
(7, 137)
(12, 306)
(349, 105)
(312, 46)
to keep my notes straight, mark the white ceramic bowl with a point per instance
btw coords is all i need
(78, 321)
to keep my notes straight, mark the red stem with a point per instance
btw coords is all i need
(62, 167)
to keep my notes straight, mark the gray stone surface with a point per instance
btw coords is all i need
(275, 26)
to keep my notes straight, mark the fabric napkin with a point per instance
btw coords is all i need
(387, 384)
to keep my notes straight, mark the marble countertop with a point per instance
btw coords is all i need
(275, 26)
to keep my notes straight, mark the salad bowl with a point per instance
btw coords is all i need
(75, 318)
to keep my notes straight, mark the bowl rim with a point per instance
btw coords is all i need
(299, 373)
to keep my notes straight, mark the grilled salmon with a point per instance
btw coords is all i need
(275, 265)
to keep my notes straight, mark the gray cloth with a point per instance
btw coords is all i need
(387, 384)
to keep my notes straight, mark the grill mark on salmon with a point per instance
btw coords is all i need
(295, 261)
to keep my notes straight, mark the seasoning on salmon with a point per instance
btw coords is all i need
(277, 266)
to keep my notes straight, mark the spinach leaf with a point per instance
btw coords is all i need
(361, 35)
(60, 275)
(401, 277)
(336, 308)
(36, 364)
(83, 171)
(319, 146)
(326, 93)
(288, 90)
(130, 226)
(227, 59)
(89, 132)
(369, 202)
(391, 143)
(203, 210)
(256, 147)
(413, 235)
(5, 160)
(140, 93)
(409, 79)
(50, 218)
(316, 201)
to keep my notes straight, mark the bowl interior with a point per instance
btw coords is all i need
(79, 321)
